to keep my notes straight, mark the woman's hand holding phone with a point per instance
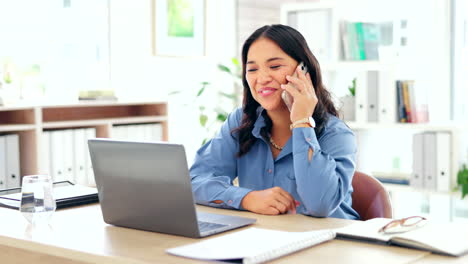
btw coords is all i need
(301, 90)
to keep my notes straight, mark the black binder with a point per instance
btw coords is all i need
(11, 198)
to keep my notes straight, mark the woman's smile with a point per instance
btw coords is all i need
(267, 91)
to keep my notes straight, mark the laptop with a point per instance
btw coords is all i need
(146, 185)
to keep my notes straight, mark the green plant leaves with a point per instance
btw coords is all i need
(224, 68)
(227, 95)
(174, 92)
(464, 190)
(462, 180)
(203, 120)
(221, 117)
(210, 118)
(202, 89)
(352, 88)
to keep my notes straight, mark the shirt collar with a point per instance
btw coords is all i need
(259, 123)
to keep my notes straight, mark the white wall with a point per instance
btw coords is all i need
(137, 74)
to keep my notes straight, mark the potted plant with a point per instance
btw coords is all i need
(348, 102)
(212, 117)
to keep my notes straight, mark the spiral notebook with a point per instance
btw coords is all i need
(253, 245)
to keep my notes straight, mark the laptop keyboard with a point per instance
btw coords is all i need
(207, 226)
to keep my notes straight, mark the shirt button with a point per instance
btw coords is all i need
(270, 170)
(230, 202)
(308, 139)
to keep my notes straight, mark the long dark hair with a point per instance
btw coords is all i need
(293, 44)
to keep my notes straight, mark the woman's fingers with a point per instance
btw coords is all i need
(272, 211)
(288, 199)
(285, 199)
(290, 89)
(271, 201)
(295, 81)
(282, 208)
(282, 204)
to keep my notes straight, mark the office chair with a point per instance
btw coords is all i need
(370, 199)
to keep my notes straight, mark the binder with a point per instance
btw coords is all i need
(417, 176)
(443, 158)
(12, 161)
(68, 155)
(3, 162)
(361, 97)
(57, 165)
(148, 132)
(156, 132)
(373, 96)
(89, 133)
(116, 132)
(387, 108)
(134, 132)
(121, 132)
(44, 166)
(430, 161)
(79, 157)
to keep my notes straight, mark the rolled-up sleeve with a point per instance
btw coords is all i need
(323, 182)
(215, 168)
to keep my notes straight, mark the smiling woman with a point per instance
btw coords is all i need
(299, 160)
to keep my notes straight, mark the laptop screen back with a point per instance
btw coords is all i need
(144, 186)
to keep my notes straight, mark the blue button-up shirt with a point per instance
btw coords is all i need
(321, 185)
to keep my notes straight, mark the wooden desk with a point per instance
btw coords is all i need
(79, 235)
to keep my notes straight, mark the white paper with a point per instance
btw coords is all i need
(251, 243)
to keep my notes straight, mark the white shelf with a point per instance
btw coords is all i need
(16, 127)
(110, 121)
(137, 120)
(407, 188)
(33, 119)
(415, 126)
(357, 66)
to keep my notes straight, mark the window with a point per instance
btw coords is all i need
(54, 48)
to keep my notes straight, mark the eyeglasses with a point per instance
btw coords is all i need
(403, 225)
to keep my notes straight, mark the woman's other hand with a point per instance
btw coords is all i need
(271, 201)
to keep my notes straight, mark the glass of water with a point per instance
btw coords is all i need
(37, 200)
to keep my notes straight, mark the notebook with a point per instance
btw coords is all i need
(66, 194)
(146, 185)
(442, 238)
(252, 245)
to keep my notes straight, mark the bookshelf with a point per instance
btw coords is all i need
(397, 62)
(30, 122)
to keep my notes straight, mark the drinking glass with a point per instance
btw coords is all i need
(37, 200)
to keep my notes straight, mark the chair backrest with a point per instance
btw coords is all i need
(370, 199)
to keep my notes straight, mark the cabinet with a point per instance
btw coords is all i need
(32, 122)
(385, 146)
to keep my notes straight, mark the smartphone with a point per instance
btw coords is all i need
(287, 98)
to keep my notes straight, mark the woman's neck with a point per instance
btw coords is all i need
(280, 129)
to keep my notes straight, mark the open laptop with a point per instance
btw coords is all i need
(146, 185)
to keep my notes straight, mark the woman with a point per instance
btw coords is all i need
(283, 161)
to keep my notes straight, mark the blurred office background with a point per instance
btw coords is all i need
(52, 50)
